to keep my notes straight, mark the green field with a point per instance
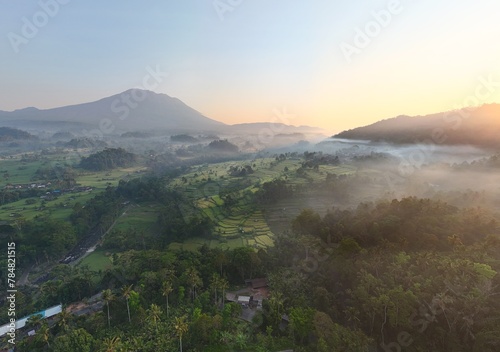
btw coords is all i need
(242, 223)
(204, 186)
(96, 261)
(15, 171)
(139, 217)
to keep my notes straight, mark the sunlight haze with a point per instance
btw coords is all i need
(241, 63)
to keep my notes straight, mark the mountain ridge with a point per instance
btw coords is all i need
(479, 126)
(132, 109)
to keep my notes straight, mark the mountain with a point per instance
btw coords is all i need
(10, 134)
(479, 126)
(144, 112)
(132, 110)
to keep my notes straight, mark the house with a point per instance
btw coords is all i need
(244, 300)
(257, 283)
(231, 297)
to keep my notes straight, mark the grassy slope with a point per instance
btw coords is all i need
(243, 223)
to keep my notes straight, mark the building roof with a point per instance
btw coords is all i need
(230, 297)
(257, 283)
(244, 299)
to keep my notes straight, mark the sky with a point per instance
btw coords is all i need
(330, 64)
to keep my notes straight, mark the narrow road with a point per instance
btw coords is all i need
(92, 248)
(80, 253)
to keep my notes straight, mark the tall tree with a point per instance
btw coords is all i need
(64, 319)
(111, 344)
(155, 314)
(223, 285)
(126, 290)
(193, 279)
(78, 340)
(165, 291)
(108, 296)
(215, 283)
(301, 322)
(181, 327)
(44, 334)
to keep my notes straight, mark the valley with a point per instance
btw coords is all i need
(198, 219)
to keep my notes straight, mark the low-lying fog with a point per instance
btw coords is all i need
(464, 176)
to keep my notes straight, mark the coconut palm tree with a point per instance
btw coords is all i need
(34, 321)
(111, 344)
(181, 327)
(215, 283)
(126, 294)
(50, 289)
(108, 296)
(166, 290)
(194, 280)
(64, 319)
(223, 285)
(155, 314)
(44, 334)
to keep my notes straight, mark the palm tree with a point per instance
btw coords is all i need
(220, 259)
(215, 283)
(225, 337)
(194, 280)
(50, 288)
(166, 290)
(34, 321)
(223, 285)
(64, 318)
(87, 275)
(155, 314)
(108, 296)
(126, 294)
(241, 340)
(276, 304)
(45, 334)
(181, 327)
(111, 344)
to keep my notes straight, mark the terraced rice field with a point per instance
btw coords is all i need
(242, 223)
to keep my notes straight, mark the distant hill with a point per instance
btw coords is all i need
(135, 134)
(63, 136)
(222, 146)
(475, 126)
(8, 134)
(132, 110)
(139, 111)
(183, 138)
(108, 159)
(85, 143)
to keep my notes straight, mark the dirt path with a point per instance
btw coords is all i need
(92, 249)
(24, 279)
